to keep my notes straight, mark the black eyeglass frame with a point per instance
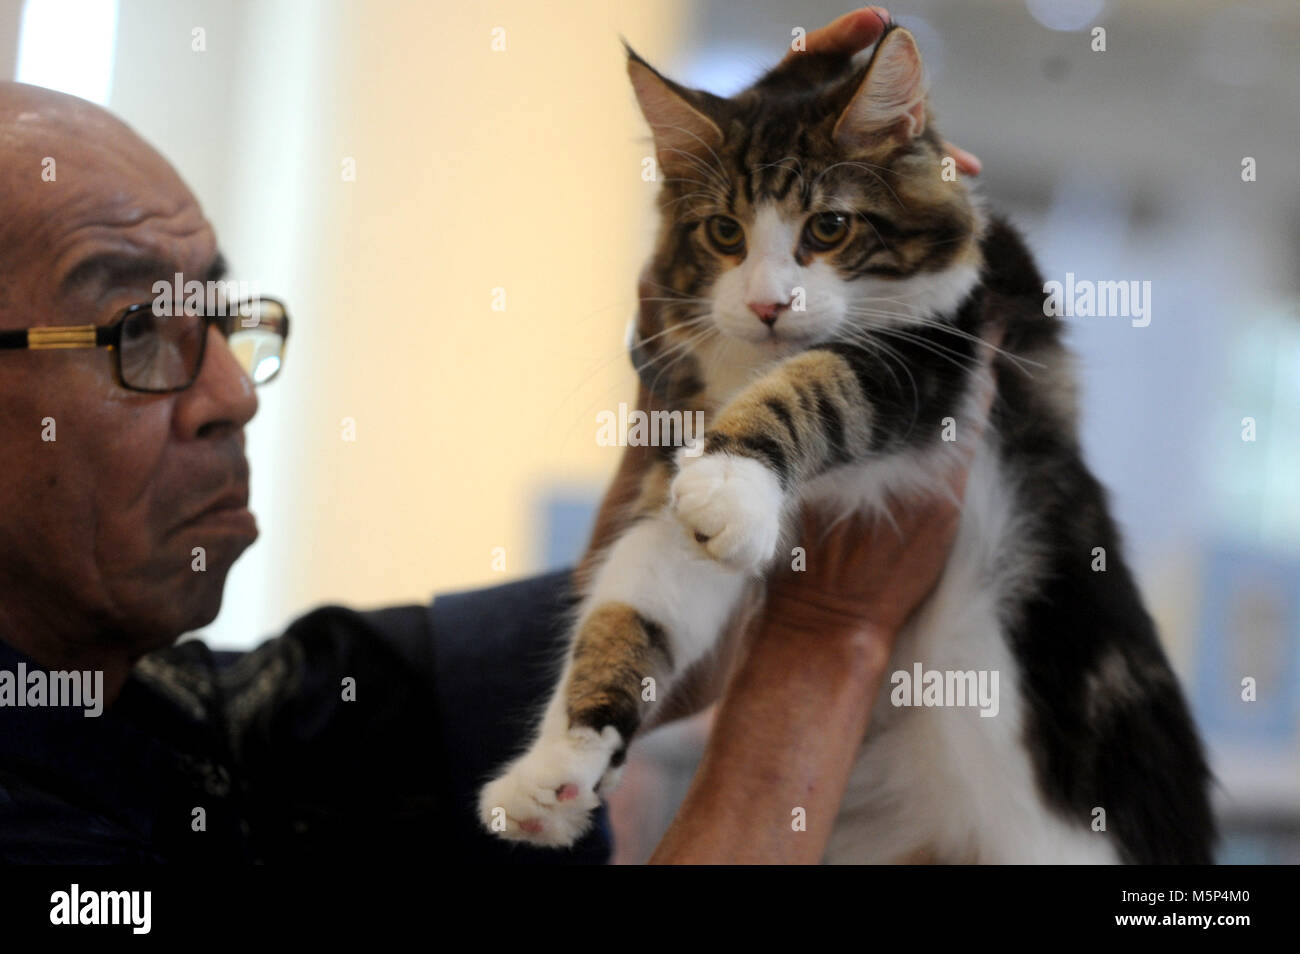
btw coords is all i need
(67, 337)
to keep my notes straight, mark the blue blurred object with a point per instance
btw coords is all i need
(1249, 623)
(567, 517)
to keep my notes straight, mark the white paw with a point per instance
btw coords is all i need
(546, 796)
(731, 506)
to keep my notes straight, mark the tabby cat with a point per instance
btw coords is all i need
(828, 294)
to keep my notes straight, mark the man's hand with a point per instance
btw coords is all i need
(867, 575)
(856, 31)
(794, 713)
(793, 716)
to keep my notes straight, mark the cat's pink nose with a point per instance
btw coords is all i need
(767, 311)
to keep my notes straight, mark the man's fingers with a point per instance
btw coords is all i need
(856, 31)
(852, 32)
(967, 163)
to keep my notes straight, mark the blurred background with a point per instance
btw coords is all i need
(450, 198)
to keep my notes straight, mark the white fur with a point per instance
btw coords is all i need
(657, 568)
(735, 502)
(940, 783)
(922, 296)
(527, 790)
(943, 783)
(770, 273)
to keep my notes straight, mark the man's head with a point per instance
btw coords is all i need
(100, 525)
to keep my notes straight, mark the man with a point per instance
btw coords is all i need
(354, 736)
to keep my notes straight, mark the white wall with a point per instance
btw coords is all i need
(475, 169)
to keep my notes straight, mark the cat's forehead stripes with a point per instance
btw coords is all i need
(909, 218)
(773, 161)
(770, 157)
(798, 171)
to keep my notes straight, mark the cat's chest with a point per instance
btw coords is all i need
(727, 367)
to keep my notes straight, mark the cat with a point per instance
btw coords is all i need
(829, 288)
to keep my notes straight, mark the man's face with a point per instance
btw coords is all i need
(102, 523)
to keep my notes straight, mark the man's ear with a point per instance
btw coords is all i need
(681, 130)
(890, 100)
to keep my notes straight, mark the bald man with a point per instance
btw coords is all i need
(342, 738)
(353, 736)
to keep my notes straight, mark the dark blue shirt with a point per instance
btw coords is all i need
(283, 767)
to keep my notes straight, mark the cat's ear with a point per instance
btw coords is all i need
(890, 100)
(681, 130)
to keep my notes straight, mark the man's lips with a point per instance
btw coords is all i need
(228, 512)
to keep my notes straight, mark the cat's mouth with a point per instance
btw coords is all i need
(779, 340)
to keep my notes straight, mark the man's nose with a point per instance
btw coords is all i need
(222, 396)
(768, 311)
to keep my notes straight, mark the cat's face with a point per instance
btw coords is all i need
(813, 206)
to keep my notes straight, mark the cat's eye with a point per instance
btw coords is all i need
(725, 233)
(825, 230)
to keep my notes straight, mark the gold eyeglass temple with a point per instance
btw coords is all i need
(76, 336)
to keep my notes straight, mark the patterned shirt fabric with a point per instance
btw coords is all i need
(262, 757)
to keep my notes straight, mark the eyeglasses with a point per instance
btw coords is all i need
(160, 354)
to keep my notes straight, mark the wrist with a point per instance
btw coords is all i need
(827, 616)
(785, 733)
(852, 644)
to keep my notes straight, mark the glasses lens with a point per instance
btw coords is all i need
(257, 335)
(160, 353)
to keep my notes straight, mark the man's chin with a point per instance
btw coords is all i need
(205, 602)
(170, 610)
(206, 551)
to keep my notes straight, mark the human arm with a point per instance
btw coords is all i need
(796, 709)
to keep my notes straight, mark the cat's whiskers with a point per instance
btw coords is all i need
(1019, 361)
(711, 192)
(676, 326)
(900, 299)
(668, 288)
(678, 301)
(714, 186)
(956, 358)
(906, 319)
(901, 331)
(618, 354)
(781, 164)
(719, 353)
(860, 337)
(720, 168)
(704, 189)
(682, 349)
(879, 237)
(697, 213)
(674, 346)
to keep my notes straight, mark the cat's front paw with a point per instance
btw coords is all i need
(546, 797)
(732, 507)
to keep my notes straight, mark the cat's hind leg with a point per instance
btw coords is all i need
(656, 605)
